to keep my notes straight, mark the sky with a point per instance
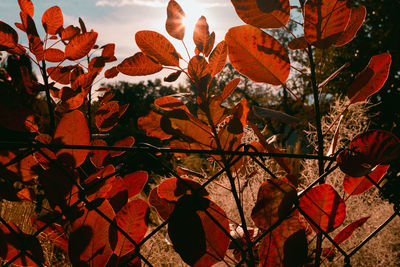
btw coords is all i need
(117, 21)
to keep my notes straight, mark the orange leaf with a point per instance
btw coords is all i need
(298, 43)
(83, 82)
(151, 125)
(97, 64)
(198, 68)
(257, 55)
(60, 74)
(201, 34)
(70, 32)
(229, 88)
(174, 24)
(52, 20)
(126, 142)
(170, 103)
(27, 7)
(8, 37)
(357, 18)
(173, 189)
(325, 21)
(111, 73)
(263, 14)
(139, 64)
(371, 79)
(163, 207)
(80, 45)
(218, 58)
(76, 135)
(108, 53)
(97, 156)
(71, 99)
(358, 185)
(107, 115)
(155, 45)
(53, 55)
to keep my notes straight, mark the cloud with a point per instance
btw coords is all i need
(154, 3)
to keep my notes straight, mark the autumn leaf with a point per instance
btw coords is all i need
(27, 7)
(53, 55)
(173, 76)
(80, 45)
(60, 74)
(174, 24)
(263, 14)
(8, 37)
(151, 125)
(52, 20)
(69, 33)
(357, 18)
(139, 64)
(358, 185)
(35, 43)
(298, 43)
(257, 55)
(371, 79)
(325, 21)
(198, 68)
(111, 73)
(217, 58)
(155, 45)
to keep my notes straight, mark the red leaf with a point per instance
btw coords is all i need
(76, 135)
(80, 45)
(35, 43)
(163, 207)
(107, 116)
(151, 125)
(195, 236)
(174, 24)
(173, 76)
(286, 245)
(158, 47)
(348, 230)
(274, 200)
(218, 58)
(324, 206)
(126, 142)
(371, 79)
(139, 64)
(263, 14)
(111, 73)
(257, 55)
(325, 21)
(133, 219)
(108, 52)
(11, 244)
(170, 103)
(8, 37)
(198, 68)
(27, 7)
(173, 189)
(88, 241)
(60, 74)
(53, 55)
(54, 232)
(358, 185)
(53, 20)
(71, 99)
(357, 18)
(298, 43)
(133, 183)
(229, 88)
(97, 156)
(21, 170)
(70, 32)
(201, 36)
(22, 119)
(367, 150)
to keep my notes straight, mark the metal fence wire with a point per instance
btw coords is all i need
(24, 246)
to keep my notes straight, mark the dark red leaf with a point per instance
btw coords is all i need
(298, 43)
(371, 79)
(133, 183)
(111, 73)
(107, 116)
(108, 52)
(357, 18)
(53, 20)
(348, 230)
(8, 37)
(229, 88)
(198, 68)
(35, 43)
(368, 150)
(173, 189)
(358, 185)
(324, 206)
(173, 76)
(72, 130)
(163, 207)
(97, 156)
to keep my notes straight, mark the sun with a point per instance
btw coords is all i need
(194, 9)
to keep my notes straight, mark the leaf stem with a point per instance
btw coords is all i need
(48, 98)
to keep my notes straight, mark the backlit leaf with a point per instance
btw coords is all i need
(275, 115)
(107, 116)
(263, 14)
(97, 64)
(155, 45)
(139, 64)
(151, 125)
(325, 21)
(89, 241)
(97, 156)
(173, 189)
(217, 58)
(53, 20)
(358, 185)
(108, 52)
(76, 135)
(368, 150)
(163, 207)
(80, 45)
(53, 55)
(111, 73)
(257, 55)
(70, 98)
(229, 88)
(133, 183)
(170, 103)
(371, 79)
(60, 74)
(298, 43)
(174, 24)
(132, 218)
(35, 43)
(198, 68)
(27, 7)
(8, 37)
(357, 18)
(70, 32)
(126, 142)
(324, 206)
(345, 234)
(274, 200)
(173, 76)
